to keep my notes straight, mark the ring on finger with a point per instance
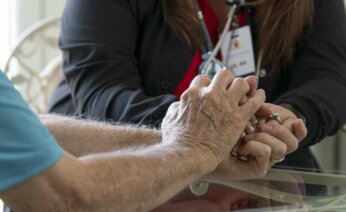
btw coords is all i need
(243, 158)
(254, 120)
(234, 154)
(276, 117)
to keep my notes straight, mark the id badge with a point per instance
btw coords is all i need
(237, 52)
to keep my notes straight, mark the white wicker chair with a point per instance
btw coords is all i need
(34, 65)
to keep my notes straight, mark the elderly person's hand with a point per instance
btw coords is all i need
(209, 116)
(251, 159)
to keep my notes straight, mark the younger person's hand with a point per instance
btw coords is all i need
(282, 134)
(289, 120)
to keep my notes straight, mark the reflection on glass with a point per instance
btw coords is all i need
(280, 190)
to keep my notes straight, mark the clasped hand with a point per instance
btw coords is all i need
(267, 144)
(211, 117)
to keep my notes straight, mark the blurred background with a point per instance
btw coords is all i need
(29, 54)
(16, 16)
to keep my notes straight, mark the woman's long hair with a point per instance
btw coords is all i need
(281, 24)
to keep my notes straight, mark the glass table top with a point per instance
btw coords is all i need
(281, 190)
(288, 190)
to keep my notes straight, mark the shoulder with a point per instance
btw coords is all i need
(109, 14)
(325, 10)
(330, 19)
(136, 7)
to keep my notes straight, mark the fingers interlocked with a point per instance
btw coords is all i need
(219, 112)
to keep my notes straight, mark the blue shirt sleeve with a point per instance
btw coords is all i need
(26, 146)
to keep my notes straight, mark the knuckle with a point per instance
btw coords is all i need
(226, 73)
(262, 96)
(242, 83)
(294, 146)
(233, 103)
(243, 100)
(190, 92)
(209, 95)
(267, 151)
(246, 111)
(239, 120)
(258, 136)
(252, 106)
(175, 105)
(279, 129)
(202, 78)
(172, 109)
(184, 96)
(282, 149)
(263, 172)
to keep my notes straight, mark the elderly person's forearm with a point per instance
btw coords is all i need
(84, 137)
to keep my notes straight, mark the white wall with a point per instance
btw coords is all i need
(26, 13)
(30, 11)
(16, 16)
(7, 23)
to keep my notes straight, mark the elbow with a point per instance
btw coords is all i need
(52, 201)
(71, 198)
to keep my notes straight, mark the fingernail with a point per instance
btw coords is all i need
(254, 121)
(250, 128)
(302, 122)
(243, 158)
(234, 154)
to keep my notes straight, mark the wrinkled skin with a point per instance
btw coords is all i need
(210, 116)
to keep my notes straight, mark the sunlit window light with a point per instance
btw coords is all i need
(8, 28)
